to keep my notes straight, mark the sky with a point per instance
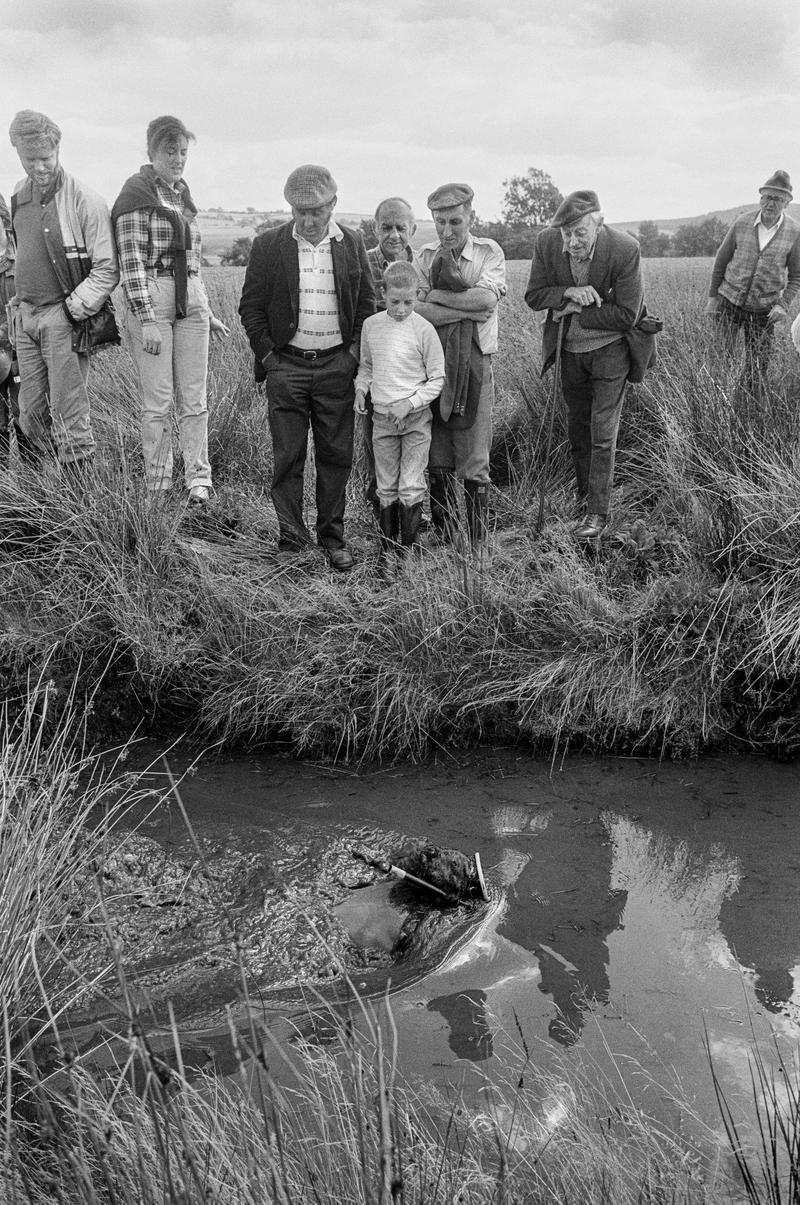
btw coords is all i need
(667, 110)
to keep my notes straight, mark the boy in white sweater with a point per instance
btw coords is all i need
(402, 365)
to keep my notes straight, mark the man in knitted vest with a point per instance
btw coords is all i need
(756, 277)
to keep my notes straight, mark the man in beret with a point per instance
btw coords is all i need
(394, 226)
(462, 278)
(307, 290)
(590, 278)
(65, 270)
(756, 277)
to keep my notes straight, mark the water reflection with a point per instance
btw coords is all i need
(470, 1036)
(565, 910)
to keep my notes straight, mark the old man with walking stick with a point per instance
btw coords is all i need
(589, 279)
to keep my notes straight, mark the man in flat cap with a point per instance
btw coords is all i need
(756, 277)
(590, 278)
(307, 290)
(462, 278)
(65, 270)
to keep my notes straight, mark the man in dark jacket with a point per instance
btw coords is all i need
(590, 278)
(307, 291)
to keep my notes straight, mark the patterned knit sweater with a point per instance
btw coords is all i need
(756, 280)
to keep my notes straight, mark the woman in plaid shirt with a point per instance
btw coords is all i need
(166, 313)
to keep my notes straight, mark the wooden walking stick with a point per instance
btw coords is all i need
(553, 404)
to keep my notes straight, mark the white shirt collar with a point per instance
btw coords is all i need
(774, 228)
(333, 232)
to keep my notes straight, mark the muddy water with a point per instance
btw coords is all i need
(636, 907)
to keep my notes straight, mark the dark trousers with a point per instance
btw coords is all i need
(319, 394)
(594, 389)
(758, 338)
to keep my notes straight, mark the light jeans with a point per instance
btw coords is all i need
(53, 402)
(176, 376)
(401, 457)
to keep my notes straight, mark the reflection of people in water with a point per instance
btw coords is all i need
(565, 911)
(465, 1013)
(753, 920)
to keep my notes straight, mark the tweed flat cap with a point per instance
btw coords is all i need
(574, 207)
(778, 182)
(446, 196)
(309, 186)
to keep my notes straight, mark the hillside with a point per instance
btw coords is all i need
(221, 228)
(670, 225)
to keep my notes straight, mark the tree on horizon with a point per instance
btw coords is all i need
(530, 200)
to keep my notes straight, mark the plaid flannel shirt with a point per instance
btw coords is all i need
(145, 244)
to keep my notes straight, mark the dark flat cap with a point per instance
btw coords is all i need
(446, 196)
(309, 186)
(778, 182)
(574, 207)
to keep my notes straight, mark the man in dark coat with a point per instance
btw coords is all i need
(307, 291)
(590, 278)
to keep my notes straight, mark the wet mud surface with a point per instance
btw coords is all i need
(638, 910)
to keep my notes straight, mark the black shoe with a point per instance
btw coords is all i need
(592, 527)
(340, 559)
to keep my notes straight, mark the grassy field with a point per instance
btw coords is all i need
(682, 635)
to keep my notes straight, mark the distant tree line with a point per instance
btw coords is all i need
(528, 205)
(693, 238)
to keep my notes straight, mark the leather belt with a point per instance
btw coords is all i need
(300, 353)
(164, 272)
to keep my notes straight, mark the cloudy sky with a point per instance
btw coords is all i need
(667, 109)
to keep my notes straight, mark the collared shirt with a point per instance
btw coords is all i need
(766, 234)
(483, 266)
(378, 264)
(145, 241)
(318, 324)
(36, 276)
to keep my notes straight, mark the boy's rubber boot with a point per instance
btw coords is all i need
(476, 496)
(409, 529)
(444, 504)
(388, 531)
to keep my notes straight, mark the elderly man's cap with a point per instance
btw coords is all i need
(309, 186)
(574, 207)
(778, 182)
(447, 196)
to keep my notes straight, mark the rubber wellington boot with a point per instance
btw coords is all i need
(388, 531)
(409, 529)
(476, 496)
(444, 505)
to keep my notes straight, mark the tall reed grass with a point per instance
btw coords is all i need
(680, 635)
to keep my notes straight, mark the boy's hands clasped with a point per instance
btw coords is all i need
(400, 410)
